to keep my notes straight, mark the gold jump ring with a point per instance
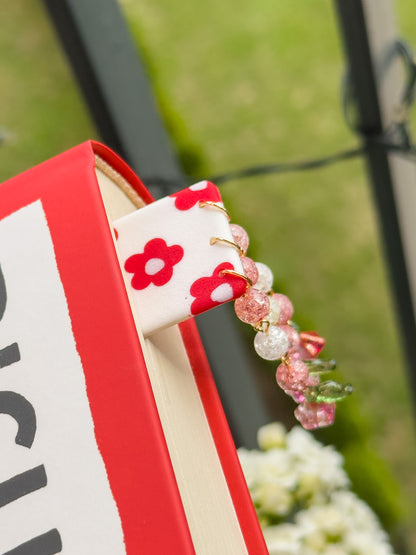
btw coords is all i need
(215, 206)
(236, 274)
(228, 243)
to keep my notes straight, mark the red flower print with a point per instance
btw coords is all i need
(216, 289)
(154, 265)
(186, 199)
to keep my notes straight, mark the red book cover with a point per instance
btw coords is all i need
(85, 466)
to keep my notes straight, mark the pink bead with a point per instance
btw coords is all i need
(315, 415)
(293, 336)
(299, 353)
(292, 377)
(252, 307)
(286, 308)
(250, 269)
(299, 395)
(240, 236)
(313, 380)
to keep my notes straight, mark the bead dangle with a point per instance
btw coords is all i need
(278, 338)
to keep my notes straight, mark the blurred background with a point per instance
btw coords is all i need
(241, 84)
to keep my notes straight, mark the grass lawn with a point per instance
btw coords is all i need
(241, 84)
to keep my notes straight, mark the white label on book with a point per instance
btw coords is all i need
(53, 482)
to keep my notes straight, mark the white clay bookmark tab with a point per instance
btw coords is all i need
(178, 258)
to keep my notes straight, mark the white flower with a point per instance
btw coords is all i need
(271, 467)
(335, 550)
(271, 478)
(276, 467)
(314, 459)
(271, 435)
(296, 470)
(273, 499)
(357, 513)
(366, 544)
(324, 518)
(363, 526)
(250, 461)
(283, 539)
(345, 522)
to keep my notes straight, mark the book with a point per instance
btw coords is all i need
(110, 443)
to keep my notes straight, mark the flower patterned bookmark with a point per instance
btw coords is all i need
(177, 258)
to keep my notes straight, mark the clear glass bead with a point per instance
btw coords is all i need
(271, 345)
(265, 279)
(274, 314)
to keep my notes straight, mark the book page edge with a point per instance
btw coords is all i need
(119, 199)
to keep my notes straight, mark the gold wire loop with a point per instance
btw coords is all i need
(228, 243)
(262, 326)
(215, 206)
(285, 360)
(236, 274)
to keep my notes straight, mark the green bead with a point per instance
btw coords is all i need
(328, 392)
(295, 326)
(320, 366)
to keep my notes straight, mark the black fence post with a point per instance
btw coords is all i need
(369, 35)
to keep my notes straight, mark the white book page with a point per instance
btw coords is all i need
(207, 502)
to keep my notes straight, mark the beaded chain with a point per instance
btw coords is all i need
(279, 338)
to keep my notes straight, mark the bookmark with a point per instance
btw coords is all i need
(179, 258)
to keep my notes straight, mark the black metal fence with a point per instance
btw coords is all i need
(111, 76)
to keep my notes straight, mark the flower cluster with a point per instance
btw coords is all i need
(300, 492)
(278, 338)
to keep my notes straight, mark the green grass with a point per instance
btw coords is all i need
(41, 109)
(243, 83)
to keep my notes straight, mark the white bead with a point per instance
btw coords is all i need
(271, 345)
(265, 281)
(274, 313)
